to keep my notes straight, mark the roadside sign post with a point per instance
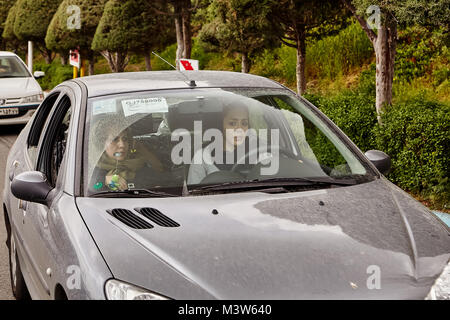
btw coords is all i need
(82, 69)
(30, 56)
(74, 61)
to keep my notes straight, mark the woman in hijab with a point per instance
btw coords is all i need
(122, 164)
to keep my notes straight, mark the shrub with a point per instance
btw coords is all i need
(168, 54)
(417, 48)
(279, 63)
(55, 73)
(207, 59)
(329, 57)
(353, 112)
(416, 134)
(335, 55)
(441, 75)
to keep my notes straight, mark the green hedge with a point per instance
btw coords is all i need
(415, 134)
(353, 111)
(55, 73)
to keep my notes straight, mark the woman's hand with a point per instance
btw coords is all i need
(114, 182)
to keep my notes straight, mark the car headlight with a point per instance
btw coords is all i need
(33, 98)
(441, 288)
(118, 290)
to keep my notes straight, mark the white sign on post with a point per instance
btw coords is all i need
(74, 58)
(188, 64)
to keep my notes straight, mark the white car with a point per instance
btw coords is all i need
(20, 93)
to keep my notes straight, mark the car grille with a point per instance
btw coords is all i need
(157, 217)
(11, 101)
(129, 218)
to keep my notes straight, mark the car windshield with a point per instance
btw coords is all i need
(163, 143)
(11, 67)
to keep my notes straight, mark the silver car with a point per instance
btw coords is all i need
(20, 93)
(207, 185)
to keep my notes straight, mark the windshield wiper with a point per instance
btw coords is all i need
(274, 182)
(133, 193)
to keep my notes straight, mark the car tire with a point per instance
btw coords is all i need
(18, 286)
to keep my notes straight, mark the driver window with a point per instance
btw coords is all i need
(55, 140)
(38, 124)
(59, 145)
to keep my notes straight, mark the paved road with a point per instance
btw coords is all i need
(7, 137)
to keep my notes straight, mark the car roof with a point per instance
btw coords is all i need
(7, 54)
(114, 83)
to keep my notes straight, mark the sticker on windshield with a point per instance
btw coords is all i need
(144, 105)
(104, 106)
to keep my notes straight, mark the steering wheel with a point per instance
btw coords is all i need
(249, 153)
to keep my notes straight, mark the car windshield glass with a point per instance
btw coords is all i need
(174, 142)
(11, 67)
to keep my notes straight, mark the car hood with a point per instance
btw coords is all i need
(18, 87)
(365, 241)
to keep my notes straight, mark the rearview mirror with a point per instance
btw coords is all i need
(31, 186)
(380, 160)
(38, 74)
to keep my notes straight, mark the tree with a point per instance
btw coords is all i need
(108, 38)
(384, 43)
(181, 11)
(5, 5)
(299, 19)
(240, 26)
(157, 30)
(387, 15)
(430, 13)
(130, 27)
(32, 20)
(64, 34)
(8, 32)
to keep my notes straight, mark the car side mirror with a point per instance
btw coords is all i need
(380, 160)
(31, 186)
(39, 74)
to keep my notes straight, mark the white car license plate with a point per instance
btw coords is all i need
(9, 111)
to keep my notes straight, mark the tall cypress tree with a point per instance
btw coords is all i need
(384, 39)
(62, 36)
(181, 11)
(240, 26)
(32, 20)
(147, 29)
(8, 32)
(129, 26)
(298, 20)
(5, 5)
